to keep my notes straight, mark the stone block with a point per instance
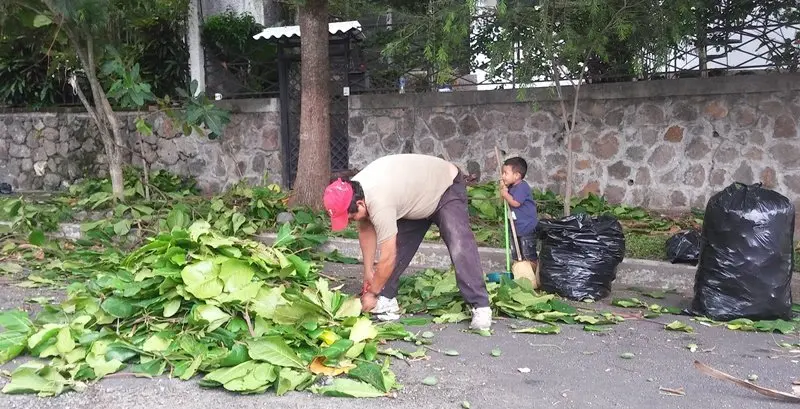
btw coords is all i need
(768, 178)
(619, 171)
(786, 154)
(443, 127)
(18, 135)
(662, 155)
(695, 176)
(785, 127)
(606, 147)
(674, 134)
(19, 151)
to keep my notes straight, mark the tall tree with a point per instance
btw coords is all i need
(314, 163)
(84, 23)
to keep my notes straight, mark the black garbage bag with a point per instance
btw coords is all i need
(5, 189)
(684, 247)
(745, 268)
(580, 255)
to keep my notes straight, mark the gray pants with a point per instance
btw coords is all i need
(452, 218)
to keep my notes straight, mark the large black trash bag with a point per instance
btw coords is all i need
(745, 268)
(684, 247)
(5, 189)
(580, 255)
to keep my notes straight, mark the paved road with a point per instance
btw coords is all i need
(574, 369)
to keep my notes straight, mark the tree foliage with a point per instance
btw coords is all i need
(81, 27)
(35, 64)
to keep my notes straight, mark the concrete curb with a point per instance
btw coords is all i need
(630, 273)
(648, 274)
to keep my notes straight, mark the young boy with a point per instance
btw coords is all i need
(517, 193)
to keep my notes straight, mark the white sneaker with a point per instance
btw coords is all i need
(481, 319)
(386, 309)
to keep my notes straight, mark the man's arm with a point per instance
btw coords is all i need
(385, 265)
(368, 240)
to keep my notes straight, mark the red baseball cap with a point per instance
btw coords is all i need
(337, 198)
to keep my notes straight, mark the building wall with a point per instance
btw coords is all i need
(667, 144)
(49, 150)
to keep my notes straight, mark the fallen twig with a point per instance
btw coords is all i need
(673, 392)
(772, 393)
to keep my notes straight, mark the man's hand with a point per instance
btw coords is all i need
(369, 273)
(368, 302)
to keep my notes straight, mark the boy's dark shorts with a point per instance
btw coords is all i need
(528, 245)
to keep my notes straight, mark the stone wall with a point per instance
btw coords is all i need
(48, 150)
(665, 145)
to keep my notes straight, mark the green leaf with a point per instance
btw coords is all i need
(274, 350)
(35, 377)
(171, 307)
(237, 356)
(678, 326)
(41, 20)
(781, 326)
(156, 344)
(363, 330)
(544, 329)
(267, 301)
(451, 352)
(430, 381)
(210, 314)
(372, 374)
(16, 321)
(235, 274)
(342, 387)
(336, 350)
(36, 238)
(415, 321)
(64, 341)
(466, 405)
(202, 279)
(350, 308)
(143, 127)
(14, 339)
(627, 355)
(118, 307)
(177, 219)
(628, 303)
(122, 227)
(596, 328)
(150, 369)
(289, 380)
(11, 268)
(427, 335)
(496, 352)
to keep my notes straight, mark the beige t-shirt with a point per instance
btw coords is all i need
(405, 186)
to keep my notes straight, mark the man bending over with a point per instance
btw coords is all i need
(395, 199)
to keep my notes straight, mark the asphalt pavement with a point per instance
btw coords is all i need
(573, 369)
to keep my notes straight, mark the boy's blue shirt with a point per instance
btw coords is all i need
(526, 214)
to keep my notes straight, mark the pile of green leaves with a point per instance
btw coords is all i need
(435, 292)
(486, 209)
(191, 301)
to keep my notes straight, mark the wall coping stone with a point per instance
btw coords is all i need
(236, 106)
(739, 84)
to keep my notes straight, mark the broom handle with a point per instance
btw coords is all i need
(507, 208)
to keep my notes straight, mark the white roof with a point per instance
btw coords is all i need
(294, 31)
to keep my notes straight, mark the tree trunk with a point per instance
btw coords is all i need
(101, 113)
(314, 164)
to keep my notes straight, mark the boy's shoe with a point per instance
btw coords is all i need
(386, 309)
(481, 319)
